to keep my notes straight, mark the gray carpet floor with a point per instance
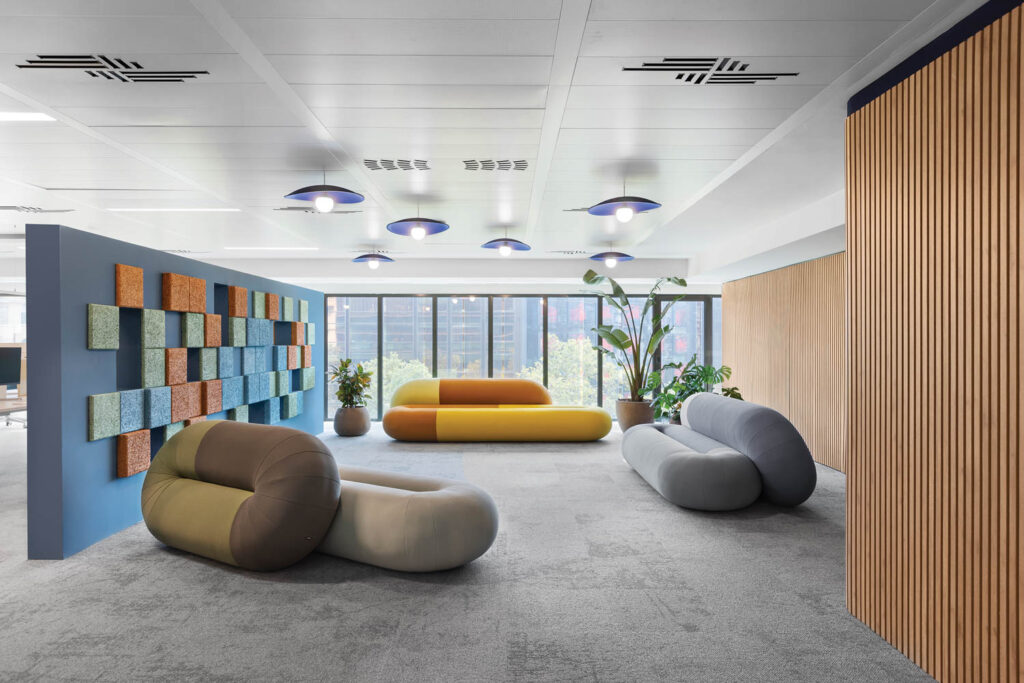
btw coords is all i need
(593, 577)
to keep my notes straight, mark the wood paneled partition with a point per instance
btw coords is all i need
(783, 335)
(934, 530)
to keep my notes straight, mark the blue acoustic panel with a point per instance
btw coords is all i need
(252, 332)
(273, 412)
(291, 405)
(156, 407)
(266, 332)
(232, 392)
(248, 361)
(257, 387)
(225, 362)
(131, 410)
(239, 414)
(280, 358)
(260, 355)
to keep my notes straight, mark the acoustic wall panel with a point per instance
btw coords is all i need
(783, 335)
(934, 201)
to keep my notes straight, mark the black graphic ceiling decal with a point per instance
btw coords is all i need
(709, 71)
(110, 68)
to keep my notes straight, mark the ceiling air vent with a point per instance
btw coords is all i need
(396, 164)
(585, 208)
(569, 252)
(110, 68)
(492, 165)
(709, 71)
(33, 209)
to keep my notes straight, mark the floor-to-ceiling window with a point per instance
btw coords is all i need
(462, 335)
(407, 335)
(12, 319)
(518, 338)
(615, 382)
(415, 337)
(572, 360)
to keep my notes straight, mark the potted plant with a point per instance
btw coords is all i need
(630, 346)
(689, 379)
(352, 418)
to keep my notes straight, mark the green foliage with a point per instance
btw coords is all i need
(632, 347)
(572, 372)
(688, 379)
(352, 382)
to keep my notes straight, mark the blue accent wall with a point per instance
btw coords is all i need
(74, 495)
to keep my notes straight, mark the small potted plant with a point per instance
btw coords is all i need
(352, 418)
(689, 379)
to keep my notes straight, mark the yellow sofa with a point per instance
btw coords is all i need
(488, 410)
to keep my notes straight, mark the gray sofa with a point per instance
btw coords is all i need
(725, 455)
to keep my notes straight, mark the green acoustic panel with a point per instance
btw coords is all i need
(287, 308)
(236, 331)
(303, 311)
(104, 416)
(310, 334)
(154, 329)
(207, 364)
(259, 305)
(104, 327)
(239, 414)
(308, 379)
(153, 368)
(192, 327)
(291, 405)
(284, 382)
(172, 429)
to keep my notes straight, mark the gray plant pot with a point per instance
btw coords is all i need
(353, 421)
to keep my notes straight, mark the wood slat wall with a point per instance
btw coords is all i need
(783, 335)
(934, 534)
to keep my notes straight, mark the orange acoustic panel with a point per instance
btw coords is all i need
(238, 302)
(128, 286)
(298, 333)
(176, 292)
(211, 329)
(293, 357)
(197, 295)
(132, 453)
(307, 356)
(211, 397)
(186, 401)
(273, 307)
(176, 364)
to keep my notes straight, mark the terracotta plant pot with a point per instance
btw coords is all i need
(632, 413)
(352, 421)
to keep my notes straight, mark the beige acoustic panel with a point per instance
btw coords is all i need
(783, 335)
(933, 240)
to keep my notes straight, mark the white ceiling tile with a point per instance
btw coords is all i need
(727, 38)
(400, 36)
(421, 137)
(696, 97)
(101, 8)
(429, 118)
(674, 118)
(703, 10)
(626, 138)
(423, 96)
(102, 93)
(207, 134)
(395, 9)
(109, 35)
(413, 70)
(228, 114)
(693, 152)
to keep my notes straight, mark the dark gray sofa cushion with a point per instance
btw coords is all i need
(788, 475)
(689, 469)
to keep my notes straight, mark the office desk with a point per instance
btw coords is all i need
(14, 405)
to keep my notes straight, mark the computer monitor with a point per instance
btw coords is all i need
(10, 365)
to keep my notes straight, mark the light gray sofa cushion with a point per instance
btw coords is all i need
(788, 475)
(689, 469)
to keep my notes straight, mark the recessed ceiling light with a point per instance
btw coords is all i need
(9, 116)
(173, 210)
(271, 248)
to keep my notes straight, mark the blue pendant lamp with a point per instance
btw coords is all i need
(623, 208)
(373, 260)
(611, 258)
(506, 245)
(325, 196)
(417, 228)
